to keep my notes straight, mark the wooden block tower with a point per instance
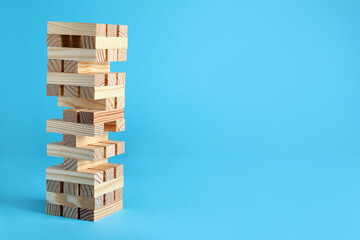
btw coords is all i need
(85, 186)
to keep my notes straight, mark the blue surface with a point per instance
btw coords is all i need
(243, 120)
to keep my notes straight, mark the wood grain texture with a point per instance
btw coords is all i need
(90, 190)
(118, 169)
(72, 114)
(123, 31)
(75, 79)
(54, 65)
(57, 173)
(53, 209)
(89, 153)
(94, 215)
(120, 102)
(108, 171)
(72, 201)
(109, 197)
(71, 91)
(87, 55)
(118, 194)
(54, 186)
(115, 126)
(97, 116)
(119, 146)
(70, 212)
(79, 165)
(71, 188)
(109, 148)
(54, 90)
(101, 104)
(79, 129)
(71, 28)
(78, 141)
(87, 42)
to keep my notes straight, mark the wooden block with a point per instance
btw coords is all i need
(121, 55)
(118, 194)
(115, 126)
(75, 79)
(120, 102)
(78, 141)
(70, 28)
(101, 104)
(53, 209)
(112, 55)
(123, 31)
(88, 190)
(54, 90)
(118, 169)
(97, 116)
(70, 212)
(57, 173)
(71, 188)
(102, 92)
(121, 78)
(109, 197)
(109, 148)
(54, 65)
(94, 215)
(87, 152)
(111, 79)
(54, 186)
(71, 114)
(93, 67)
(119, 146)
(71, 91)
(79, 129)
(86, 42)
(109, 171)
(112, 30)
(79, 54)
(72, 201)
(78, 165)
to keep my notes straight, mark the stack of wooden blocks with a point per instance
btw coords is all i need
(85, 186)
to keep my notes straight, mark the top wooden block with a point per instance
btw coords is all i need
(87, 29)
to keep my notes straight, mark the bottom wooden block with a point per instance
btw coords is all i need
(83, 213)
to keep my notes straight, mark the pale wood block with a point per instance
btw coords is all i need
(79, 165)
(79, 129)
(72, 201)
(112, 55)
(109, 197)
(120, 102)
(54, 65)
(54, 186)
(78, 141)
(109, 148)
(109, 171)
(71, 188)
(96, 93)
(57, 173)
(111, 79)
(70, 41)
(121, 55)
(75, 79)
(53, 209)
(93, 67)
(79, 54)
(118, 169)
(88, 190)
(115, 126)
(70, 212)
(123, 31)
(71, 114)
(71, 91)
(112, 30)
(101, 104)
(118, 194)
(121, 78)
(71, 28)
(119, 146)
(111, 43)
(54, 90)
(100, 177)
(97, 116)
(94, 215)
(87, 152)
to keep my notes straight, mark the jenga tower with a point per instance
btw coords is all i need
(85, 186)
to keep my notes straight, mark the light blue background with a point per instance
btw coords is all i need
(243, 120)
